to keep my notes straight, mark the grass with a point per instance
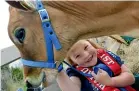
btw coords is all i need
(13, 78)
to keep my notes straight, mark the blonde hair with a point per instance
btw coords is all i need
(94, 44)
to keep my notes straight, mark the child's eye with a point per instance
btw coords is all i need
(85, 48)
(77, 56)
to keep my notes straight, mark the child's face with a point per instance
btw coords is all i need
(84, 54)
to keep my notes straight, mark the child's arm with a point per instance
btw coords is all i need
(68, 84)
(124, 79)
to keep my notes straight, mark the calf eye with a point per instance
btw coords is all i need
(20, 34)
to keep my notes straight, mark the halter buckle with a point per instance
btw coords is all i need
(43, 15)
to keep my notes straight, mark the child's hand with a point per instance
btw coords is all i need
(102, 77)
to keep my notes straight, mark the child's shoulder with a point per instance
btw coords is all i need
(112, 54)
(116, 57)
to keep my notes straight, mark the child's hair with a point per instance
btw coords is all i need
(95, 45)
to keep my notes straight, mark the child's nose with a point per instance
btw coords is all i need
(86, 54)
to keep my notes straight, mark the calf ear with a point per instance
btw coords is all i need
(16, 4)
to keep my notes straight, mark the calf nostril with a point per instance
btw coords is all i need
(28, 84)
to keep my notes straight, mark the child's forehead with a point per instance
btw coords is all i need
(77, 46)
(81, 42)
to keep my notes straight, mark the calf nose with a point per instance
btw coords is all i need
(31, 88)
(28, 84)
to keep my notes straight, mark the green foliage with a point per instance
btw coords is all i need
(17, 74)
(12, 78)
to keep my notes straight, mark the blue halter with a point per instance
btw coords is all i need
(50, 40)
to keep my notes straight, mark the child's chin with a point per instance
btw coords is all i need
(88, 65)
(92, 63)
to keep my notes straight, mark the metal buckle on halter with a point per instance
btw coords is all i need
(43, 15)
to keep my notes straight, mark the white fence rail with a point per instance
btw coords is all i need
(9, 55)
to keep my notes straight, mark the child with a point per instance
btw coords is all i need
(84, 54)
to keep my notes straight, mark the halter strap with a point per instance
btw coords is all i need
(50, 40)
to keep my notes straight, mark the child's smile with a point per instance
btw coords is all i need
(84, 54)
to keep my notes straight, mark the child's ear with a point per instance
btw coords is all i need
(94, 44)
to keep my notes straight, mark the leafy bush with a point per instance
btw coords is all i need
(12, 78)
(17, 74)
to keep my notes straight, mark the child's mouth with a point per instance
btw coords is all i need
(90, 59)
